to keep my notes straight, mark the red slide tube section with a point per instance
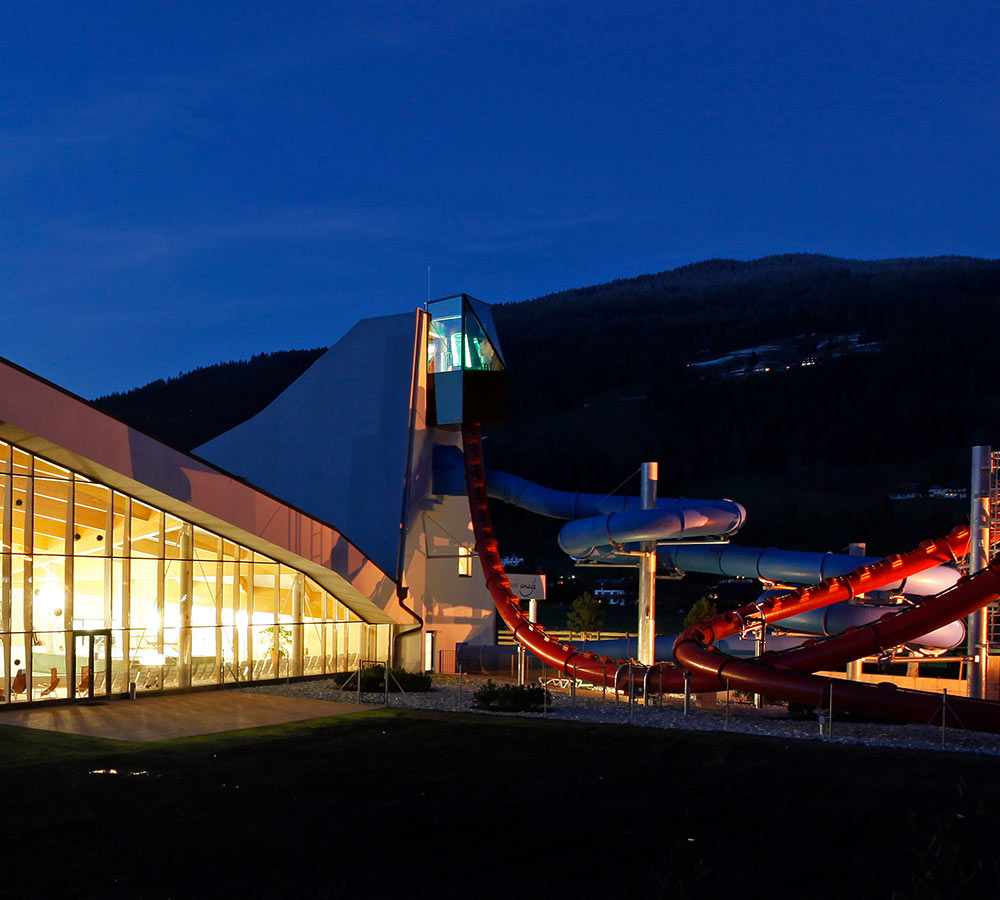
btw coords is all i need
(602, 670)
(781, 674)
(833, 590)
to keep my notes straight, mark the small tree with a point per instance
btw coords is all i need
(586, 615)
(703, 610)
(283, 645)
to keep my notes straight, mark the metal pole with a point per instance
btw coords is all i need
(759, 644)
(727, 704)
(631, 701)
(944, 713)
(979, 550)
(829, 718)
(854, 666)
(647, 572)
(687, 693)
(359, 678)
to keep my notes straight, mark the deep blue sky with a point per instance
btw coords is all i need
(184, 183)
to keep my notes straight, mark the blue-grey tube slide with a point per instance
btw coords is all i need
(604, 525)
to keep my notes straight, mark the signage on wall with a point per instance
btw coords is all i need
(528, 587)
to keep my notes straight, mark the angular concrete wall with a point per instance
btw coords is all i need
(335, 442)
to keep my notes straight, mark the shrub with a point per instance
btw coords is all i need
(586, 614)
(511, 697)
(373, 680)
(703, 610)
(801, 712)
(411, 682)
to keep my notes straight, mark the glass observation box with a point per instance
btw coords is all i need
(466, 375)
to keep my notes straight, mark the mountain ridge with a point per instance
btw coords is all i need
(600, 380)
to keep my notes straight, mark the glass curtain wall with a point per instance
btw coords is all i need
(90, 573)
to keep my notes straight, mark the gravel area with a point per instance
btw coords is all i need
(589, 706)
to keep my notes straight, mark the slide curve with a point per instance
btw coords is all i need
(785, 676)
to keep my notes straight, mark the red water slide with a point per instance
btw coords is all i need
(779, 675)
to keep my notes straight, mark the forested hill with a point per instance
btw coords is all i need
(901, 378)
(803, 385)
(192, 408)
(642, 331)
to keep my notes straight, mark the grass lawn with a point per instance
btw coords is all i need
(420, 804)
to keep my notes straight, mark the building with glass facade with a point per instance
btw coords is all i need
(299, 543)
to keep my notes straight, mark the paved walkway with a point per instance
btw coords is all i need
(175, 715)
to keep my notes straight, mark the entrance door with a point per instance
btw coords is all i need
(91, 678)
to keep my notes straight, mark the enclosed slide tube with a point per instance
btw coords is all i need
(827, 622)
(796, 567)
(783, 674)
(708, 675)
(601, 524)
(791, 566)
(605, 528)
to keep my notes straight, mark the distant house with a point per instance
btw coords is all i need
(906, 491)
(947, 492)
(611, 591)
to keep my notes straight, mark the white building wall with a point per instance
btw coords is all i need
(334, 443)
(341, 443)
(454, 607)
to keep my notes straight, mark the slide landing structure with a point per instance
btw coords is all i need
(700, 666)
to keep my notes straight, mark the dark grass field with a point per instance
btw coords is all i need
(419, 804)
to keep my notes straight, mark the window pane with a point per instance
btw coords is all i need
(51, 503)
(444, 339)
(22, 462)
(90, 515)
(206, 544)
(18, 497)
(146, 525)
(172, 544)
(119, 525)
(46, 469)
(88, 593)
(479, 352)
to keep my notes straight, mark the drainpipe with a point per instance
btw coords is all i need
(401, 592)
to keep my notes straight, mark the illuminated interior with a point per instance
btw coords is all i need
(457, 340)
(466, 374)
(182, 606)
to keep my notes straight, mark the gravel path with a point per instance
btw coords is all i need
(588, 706)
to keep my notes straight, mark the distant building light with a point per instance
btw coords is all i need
(945, 492)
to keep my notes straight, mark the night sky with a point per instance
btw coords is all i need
(186, 183)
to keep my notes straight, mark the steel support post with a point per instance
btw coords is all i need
(187, 602)
(854, 666)
(647, 572)
(979, 551)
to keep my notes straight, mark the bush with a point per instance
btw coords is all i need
(703, 610)
(586, 614)
(801, 712)
(511, 697)
(373, 680)
(411, 682)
